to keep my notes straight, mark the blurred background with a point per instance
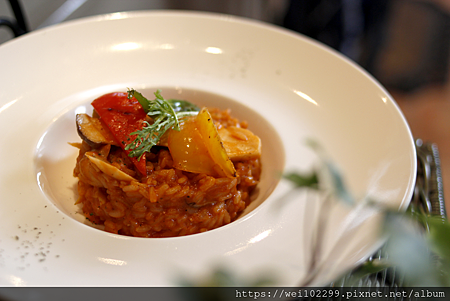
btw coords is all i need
(404, 44)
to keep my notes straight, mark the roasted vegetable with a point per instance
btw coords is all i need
(136, 124)
(198, 148)
(123, 116)
(240, 144)
(189, 152)
(214, 144)
(93, 131)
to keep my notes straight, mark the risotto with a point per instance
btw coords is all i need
(169, 190)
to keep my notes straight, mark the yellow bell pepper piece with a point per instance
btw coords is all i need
(197, 147)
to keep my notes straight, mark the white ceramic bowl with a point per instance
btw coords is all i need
(289, 87)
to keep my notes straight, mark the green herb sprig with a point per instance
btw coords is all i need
(166, 114)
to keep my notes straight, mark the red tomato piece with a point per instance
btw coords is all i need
(122, 116)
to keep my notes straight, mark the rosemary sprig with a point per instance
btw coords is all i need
(166, 115)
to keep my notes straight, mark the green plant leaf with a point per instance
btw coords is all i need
(166, 115)
(409, 251)
(439, 236)
(329, 175)
(303, 181)
(338, 186)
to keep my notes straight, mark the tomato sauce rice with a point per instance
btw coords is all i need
(166, 202)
